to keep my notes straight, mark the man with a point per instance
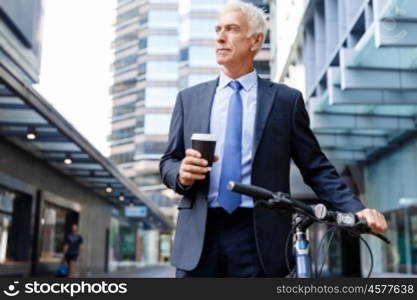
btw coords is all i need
(72, 248)
(259, 127)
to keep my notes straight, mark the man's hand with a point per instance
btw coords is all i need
(193, 167)
(376, 221)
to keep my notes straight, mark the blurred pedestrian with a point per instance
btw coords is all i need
(72, 248)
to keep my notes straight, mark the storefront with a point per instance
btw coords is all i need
(135, 244)
(52, 177)
(16, 211)
(34, 223)
(397, 199)
(57, 215)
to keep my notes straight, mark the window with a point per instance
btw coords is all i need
(150, 147)
(140, 149)
(163, 44)
(123, 109)
(143, 19)
(160, 96)
(163, 19)
(55, 225)
(123, 86)
(143, 43)
(162, 70)
(199, 78)
(387, 196)
(206, 5)
(124, 62)
(125, 39)
(140, 121)
(184, 54)
(141, 95)
(183, 82)
(122, 158)
(15, 231)
(141, 69)
(130, 14)
(157, 123)
(155, 147)
(203, 28)
(402, 231)
(185, 31)
(127, 243)
(123, 133)
(202, 56)
(7, 199)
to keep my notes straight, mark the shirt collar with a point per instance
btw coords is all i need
(247, 81)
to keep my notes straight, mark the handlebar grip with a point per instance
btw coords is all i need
(363, 227)
(249, 190)
(382, 237)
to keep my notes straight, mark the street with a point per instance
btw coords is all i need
(155, 271)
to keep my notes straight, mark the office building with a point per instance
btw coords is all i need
(361, 91)
(145, 84)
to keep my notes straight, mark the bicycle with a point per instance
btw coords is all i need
(304, 216)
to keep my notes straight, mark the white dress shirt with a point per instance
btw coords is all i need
(218, 123)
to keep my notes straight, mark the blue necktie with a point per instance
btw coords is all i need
(232, 151)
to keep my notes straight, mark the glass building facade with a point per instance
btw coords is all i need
(360, 88)
(197, 41)
(390, 186)
(145, 84)
(20, 37)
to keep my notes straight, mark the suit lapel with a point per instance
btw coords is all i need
(264, 103)
(206, 95)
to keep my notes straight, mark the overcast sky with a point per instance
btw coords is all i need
(75, 65)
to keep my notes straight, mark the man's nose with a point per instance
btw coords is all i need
(220, 37)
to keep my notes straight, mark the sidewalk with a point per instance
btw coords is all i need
(154, 271)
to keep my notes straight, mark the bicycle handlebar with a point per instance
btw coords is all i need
(277, 200)
(251, 190)
(282, 201)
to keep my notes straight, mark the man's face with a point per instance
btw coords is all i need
(74, 228)
(233, 46)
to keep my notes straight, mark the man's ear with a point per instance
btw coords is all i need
(257, 39)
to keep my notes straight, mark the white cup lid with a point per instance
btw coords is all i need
(204, 137)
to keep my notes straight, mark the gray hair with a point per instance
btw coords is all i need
(256, 17)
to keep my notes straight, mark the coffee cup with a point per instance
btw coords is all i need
(205, 144)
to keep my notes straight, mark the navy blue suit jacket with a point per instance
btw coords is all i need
(281, 133)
